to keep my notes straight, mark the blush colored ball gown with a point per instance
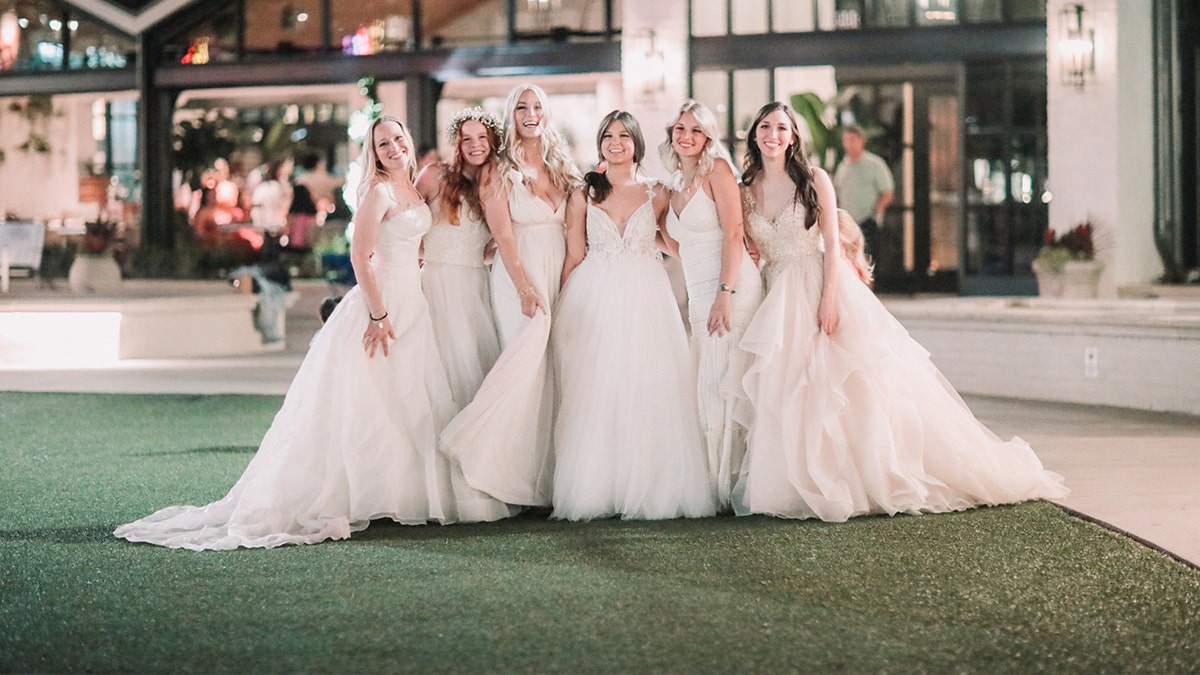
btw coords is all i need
(456, 285)
(718, 361)
(503, 438)
(860, 421)
(356, 438)
(627, 435)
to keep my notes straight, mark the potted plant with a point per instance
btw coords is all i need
(1066, 265)
(95, 269)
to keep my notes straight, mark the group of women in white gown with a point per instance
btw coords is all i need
(564, 377)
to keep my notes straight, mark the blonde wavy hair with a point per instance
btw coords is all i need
(555, 150)
(851, 237)
(714, 149)
(372, 169)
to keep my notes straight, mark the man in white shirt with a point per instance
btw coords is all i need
(864, 185)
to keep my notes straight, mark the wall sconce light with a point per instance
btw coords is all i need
(1077, 47)
(10, 39)
(652, 68)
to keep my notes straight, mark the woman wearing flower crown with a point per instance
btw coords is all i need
(627, 436)
(851, 417)
(723, 285)
(503, 438)
(356, 438)
(454, 277)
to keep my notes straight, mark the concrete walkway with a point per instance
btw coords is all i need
(1137, 471)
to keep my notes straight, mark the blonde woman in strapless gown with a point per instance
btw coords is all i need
(723, 284)
(851, 417)
(503, 439)
(356, 438)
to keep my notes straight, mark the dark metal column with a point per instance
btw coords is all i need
(155, 111)
(421, 94)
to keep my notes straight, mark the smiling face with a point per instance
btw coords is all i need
(687, 136)
(393, 148)
(473, 143)
(528, 116)
(773, 135)
(617, 145)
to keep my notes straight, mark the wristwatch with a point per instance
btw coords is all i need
(725, 287)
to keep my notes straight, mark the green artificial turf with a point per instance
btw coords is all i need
(1010, 589)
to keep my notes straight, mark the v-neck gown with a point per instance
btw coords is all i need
(860, 421)
(718, 361)
(503, 439)
(356, 438)
(627, 435)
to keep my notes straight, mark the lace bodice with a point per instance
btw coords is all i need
(605, 240)
(461, 244)
(782, 239)
(400, 237)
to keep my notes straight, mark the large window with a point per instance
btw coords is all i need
(748, 17)
(47, 35)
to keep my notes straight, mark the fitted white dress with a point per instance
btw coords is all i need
(718, 361)
(356, 438)
(627, 435)
(503, 438)
(456, 285)
(859, 421)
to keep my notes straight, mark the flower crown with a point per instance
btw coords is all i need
(477, 114)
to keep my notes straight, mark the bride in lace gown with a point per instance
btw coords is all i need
(627, 436)
(454, 277)
(503, 438)
(723, 284)
(356, 438)
(851, 417)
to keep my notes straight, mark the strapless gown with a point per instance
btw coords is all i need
(456, 285)
(860, 421)
(356, 438)
(718, 361)
(627, 435)
(503, 438)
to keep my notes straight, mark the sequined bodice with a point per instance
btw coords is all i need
(400, 237)
(782, 239)
(606, 241)
(461, 244)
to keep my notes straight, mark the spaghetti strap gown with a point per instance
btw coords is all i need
(627, 435)
(718, 361)
(456, 285)
(356, 437)
(860, 421)
(503, 439)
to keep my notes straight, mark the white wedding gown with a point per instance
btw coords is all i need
(718, 361)
(627, 435)
(356, 437)
(503, 438)
(456, 285)
(859, 421)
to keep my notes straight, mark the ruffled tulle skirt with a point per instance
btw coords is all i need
(627, 435)
(355, 440)
(861, 421)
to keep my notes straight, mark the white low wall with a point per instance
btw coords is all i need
(1142, 354)
(98, 331)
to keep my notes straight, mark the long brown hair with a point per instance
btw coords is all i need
(458, 188)
(598, 185)
(795, 161)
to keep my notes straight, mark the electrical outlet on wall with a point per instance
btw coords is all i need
(1091, 362)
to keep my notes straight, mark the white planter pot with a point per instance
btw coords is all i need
(1081, 278)
(94, 274)
(1049, 282)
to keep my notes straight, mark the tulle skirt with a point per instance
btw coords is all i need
(627, 435)
(861, 421)
(355, 440)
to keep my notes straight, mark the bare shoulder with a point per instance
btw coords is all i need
(430, 180)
